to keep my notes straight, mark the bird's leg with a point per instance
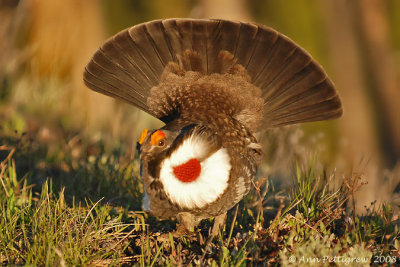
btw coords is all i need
(187, 223)
(219, 221)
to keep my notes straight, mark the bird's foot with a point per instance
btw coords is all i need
(219, 222)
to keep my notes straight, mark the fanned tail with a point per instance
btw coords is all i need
(294, 87)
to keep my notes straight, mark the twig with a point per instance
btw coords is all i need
(277, 216)
(125, 237)
(90, 211)
(353, 186)
(12, 150)
(232, 225)
(210, 238)
(260, 208)
(306, 224)
(3, 168)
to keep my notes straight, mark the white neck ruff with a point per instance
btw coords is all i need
(209, 185)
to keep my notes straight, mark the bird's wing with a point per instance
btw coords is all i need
(294, 87)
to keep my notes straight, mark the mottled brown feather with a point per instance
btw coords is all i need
(293, 86)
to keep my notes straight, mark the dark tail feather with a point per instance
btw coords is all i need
(294, 87)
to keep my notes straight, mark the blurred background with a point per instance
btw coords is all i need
(46, 44)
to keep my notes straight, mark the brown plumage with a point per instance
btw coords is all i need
(214, 83)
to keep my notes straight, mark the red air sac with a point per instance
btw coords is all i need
(189, 171)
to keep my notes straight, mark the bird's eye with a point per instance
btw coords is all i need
(156, 137)
(161, 142)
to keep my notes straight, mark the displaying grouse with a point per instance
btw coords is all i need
(214, 83)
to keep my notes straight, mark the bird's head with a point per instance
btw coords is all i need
(155, 142)
(190, 163)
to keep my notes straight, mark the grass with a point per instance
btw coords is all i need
(69, 199)
(63, 207)
(42, 229)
